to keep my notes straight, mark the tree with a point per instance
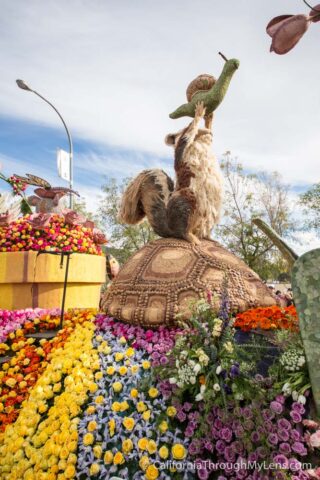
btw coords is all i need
(247, 196)
(80, 206)
(310, 200)
(124, 240)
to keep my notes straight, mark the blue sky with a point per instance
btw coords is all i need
(116, 69)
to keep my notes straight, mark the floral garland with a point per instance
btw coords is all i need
(47, 444)
(270, 318)
(58, 235)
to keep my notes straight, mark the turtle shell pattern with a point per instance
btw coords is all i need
(162, 278)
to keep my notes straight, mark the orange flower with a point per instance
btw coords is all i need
(270, 318)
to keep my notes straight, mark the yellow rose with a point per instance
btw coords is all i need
(163, 427)
(130, 352)
(122, 340)
(141, 407)
(152, 447)
(108, 457)
(117, 387)
(70, 471)
(146, 415)
(171, 411)
(88, 439)
(98, 375)
(152, 473)
(116, 407)
(128, 423)
(99, 399)
(97, 451)
(134, 393)
(178, 451)
(146, 364)
(118, 459)
(124, 406)
(134, 369)
(119, 356)
(143, 443)
(94, 469)
(110, 370)
(144, 463)
(127, 446)
(91, 409)
(164, 452)
(153, 392)
(92, 426)
(123, 370)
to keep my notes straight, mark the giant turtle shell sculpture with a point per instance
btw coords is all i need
(164, 276)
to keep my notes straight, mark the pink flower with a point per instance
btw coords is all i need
(40, 220)
(73, 218)
(314, 439)
(99, 237)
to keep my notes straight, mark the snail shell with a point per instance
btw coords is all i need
(202, 82)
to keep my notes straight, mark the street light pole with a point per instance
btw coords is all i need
(21, 84)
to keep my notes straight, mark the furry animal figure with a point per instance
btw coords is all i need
(191, 208)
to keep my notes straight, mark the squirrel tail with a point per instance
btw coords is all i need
(147, 195)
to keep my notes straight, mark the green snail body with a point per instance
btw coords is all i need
(211, 98)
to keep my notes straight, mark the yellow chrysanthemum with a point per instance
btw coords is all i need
(128, 423)
(118, 459)
(127, 446)
(117, 387)
(152, 447)
(116, 407)
(94, 469)
(163, 426)
(92, 426)
(143, 443)
(153, 392)
(146, 364)
(88, 439)
(178, 451)
(134, 393)
(111, 370)
(152, 473)
(123, 370)
(163, 452)
(171, 411)
(146, 415)
(130, 352)
(97, 451)
(118, 356)
(108, 457)
(144, 462)
(141, 407)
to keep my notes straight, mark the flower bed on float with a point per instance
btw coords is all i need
(104, 399)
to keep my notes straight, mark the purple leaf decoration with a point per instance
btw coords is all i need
(40, 220)
(73, 218)
(99, 237)
(315, 17)
(275, 23)
(288, 33)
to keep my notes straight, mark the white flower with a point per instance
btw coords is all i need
(172, 381)
(219, 370)
(202, 389)
(295, 395)
(193, 380)
(216, 387)
(199, 397)
(229, 347)
(197, 368)
(302, 399)
(177, 364)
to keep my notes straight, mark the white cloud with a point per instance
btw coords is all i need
(116, 70)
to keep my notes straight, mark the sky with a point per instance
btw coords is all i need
(116, 69)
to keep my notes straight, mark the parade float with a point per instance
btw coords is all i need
(190, 370)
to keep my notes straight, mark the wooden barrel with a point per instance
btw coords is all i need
(29, 279)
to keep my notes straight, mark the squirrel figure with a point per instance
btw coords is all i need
(190, 208)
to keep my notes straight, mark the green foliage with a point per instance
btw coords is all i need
(310, 200)
(248, 196)
(125, 239)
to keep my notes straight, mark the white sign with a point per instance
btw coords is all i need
(63, 163)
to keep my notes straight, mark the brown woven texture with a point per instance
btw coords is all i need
(202, 82)
(164, 276)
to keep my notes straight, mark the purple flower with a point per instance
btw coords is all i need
(276, 407)
(262, 452)
(284, 448)
(295, 435)
(284, 423)
(298, 407)
(181, 416)
(203, 474)
(220, 446)
(283, 435)
(282, 461)
(255, 437)
(248, 425)
(299, 448)
(273, 439)
(208, 445)
(194, 447)
(267, 414)
(164, 361)
(281, 399)
(296, 417)
(189, 432)
(294, 465)
(187, 406)
(226, 434)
